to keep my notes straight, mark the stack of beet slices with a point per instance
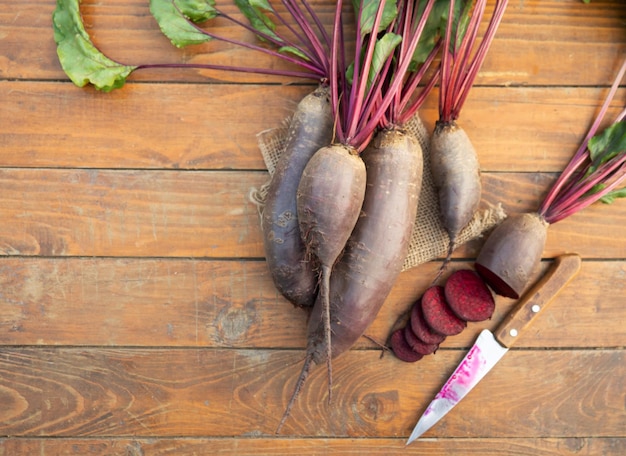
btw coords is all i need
(441, 312)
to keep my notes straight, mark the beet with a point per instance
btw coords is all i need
(420, 327)
(294, 274)
(438, 314)
(418, 345)
(456, 175)
(402, 349)
(510, 256)
(468, 296)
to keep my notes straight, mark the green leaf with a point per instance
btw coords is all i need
(174, 18)
(79, 58)
(261, 4)
(293, 50)
(368, 14)
(382, 51)
(434, 28)
(350, 73)
(613, 195)
(253, 10)
(608, 144)
(463, 21)
(609, 197)
(197, 10)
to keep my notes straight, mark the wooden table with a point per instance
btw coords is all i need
(137, 316)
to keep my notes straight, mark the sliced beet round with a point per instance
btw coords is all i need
(402, 349)
(418, 346)
(438, 314)
(468, 296)
(420, 327)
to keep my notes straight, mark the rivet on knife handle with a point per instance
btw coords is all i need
(537, 299)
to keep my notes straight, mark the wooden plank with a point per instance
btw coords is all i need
(215, 126)
(59, 212)
(581, 446)
(142, 126)
(539, 42)
(132, 213)
(213, 392)
(183, 303)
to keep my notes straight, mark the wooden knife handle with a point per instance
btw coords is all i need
(563, 270)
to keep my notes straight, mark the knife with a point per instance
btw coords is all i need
(489, 348)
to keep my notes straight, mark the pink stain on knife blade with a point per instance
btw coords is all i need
(483, 355)
(463, 378)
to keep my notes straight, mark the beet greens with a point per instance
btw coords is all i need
(595, 171)
(306, 48)
(461, 57)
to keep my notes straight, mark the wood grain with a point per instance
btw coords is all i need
(93, 212)
(106, 392)
(213, 126)
(141, 126)
(575, 446)
(76, 212)
(141, 392)
(183, 303)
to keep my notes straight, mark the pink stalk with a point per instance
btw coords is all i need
(361, 84)
(406, 110)
(565, 180)
(462, 54)
(267, 71)
(315, 64)
(312, 39)
(317, 22)
(445, 63)
(396, 83)
(319, 62)
(459, 69)
(349, 113)
(413, 80)
(576, 201)
(481, 53)
(334, 63)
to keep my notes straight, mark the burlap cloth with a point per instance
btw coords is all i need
(429, 239)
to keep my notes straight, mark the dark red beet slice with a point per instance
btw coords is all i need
(468, 296)
(420, 327)
(438, 314)
(418, 346)
(402, 349)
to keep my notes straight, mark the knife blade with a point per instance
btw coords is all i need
(489, 348)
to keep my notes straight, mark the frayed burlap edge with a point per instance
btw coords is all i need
(429, 239)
